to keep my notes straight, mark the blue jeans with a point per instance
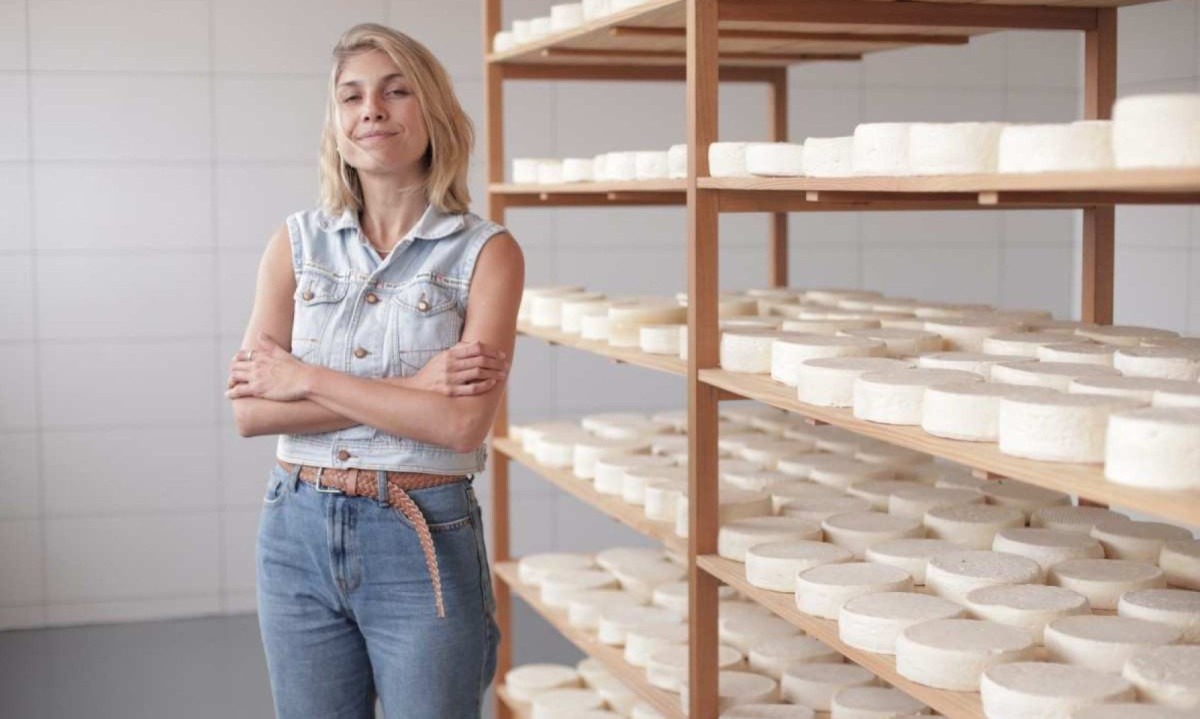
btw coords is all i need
(346, 605)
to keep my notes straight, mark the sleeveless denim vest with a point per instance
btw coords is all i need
(358, 314)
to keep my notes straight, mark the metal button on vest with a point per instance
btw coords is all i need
(307, 295)
(372, 298)
(423, 305)
(360, 353)
(343, 455)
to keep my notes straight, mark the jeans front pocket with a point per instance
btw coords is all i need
(277, 489)
(485, 570)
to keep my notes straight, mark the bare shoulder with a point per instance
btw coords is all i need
(501, 264)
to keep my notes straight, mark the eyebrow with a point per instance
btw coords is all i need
(386, 78)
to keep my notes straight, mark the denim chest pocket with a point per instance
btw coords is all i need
(317, 300)
(424, 320)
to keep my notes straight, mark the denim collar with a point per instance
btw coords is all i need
(433, 225)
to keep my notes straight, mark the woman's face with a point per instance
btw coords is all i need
(382, 128)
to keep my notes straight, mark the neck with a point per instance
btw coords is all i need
(391, 207)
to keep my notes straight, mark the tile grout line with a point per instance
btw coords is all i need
(220, 428)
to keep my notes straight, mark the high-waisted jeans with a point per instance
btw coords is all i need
(346, 605)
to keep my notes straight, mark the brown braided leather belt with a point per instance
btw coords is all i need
(356, 482)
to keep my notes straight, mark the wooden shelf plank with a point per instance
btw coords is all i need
(1185, 182)
(630, 515)
(1086, 481)
(953, 705)
(612, 657)
(632, 356)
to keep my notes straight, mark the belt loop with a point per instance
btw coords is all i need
(294, 476)
(381, 493)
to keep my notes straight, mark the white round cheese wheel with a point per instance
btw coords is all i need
(953, 653)
(584, 608)
(1123, 335)
(565, 703)
(503, 41)
(956, 148)
(1157, 130)
(788, 352)
(840, 472)
(1120, 710)
(916, 501)
(1103, 643)
(735, 538)
(910, 555)
(533, 568)
(829, 156)
(734, 504)
(533, 433)
(1041, 690)
(558, 587)
(525, 170)
(771, 656)
(879, 491)
(735, 688)
(626, 318)
(1127, 539)
(573, 312)
(1177, 607)
(768, 450)
(620, 166)
(619, 697)
(973, 526)
(1071, 518)
(661, 498)
(827, 326)
(1050, 375)
(592, 670)
(858, 531)
(1072, 146)
(774, 565)
(595, 327)
(668, 444)
(898, 397)
(1024, 344)
(829, 382)
(900, 342)
(1057, 427)
(1166, 675)
(1103, 581)
(610, 471)
(818, 509)
(677, 161)
(974, 362)
(768, 711)
(727, 159)
(1029, 606)
(1141, 389)
(526, 682)
(549, 172)
(873, 703)
(578, 169)
(615, 623)
(1078, 353)
(966, 410)
(1158, 362)
(872, 622)
(641, 578)
(636, 479)
(953, 575)
(660, 339)
(650, 165)
(966, 334)
(1180, 563)
(614, 558)
(1156, 448)
(745, 630)
(747, 350)
(588, 450)
(645, 639)
(1047, 547)
(814, 684)
(546, 309)
(667, 667)
(557, 449)
(775, 159)
(1025, 497)
(876, 452)
(821, 591)
(1178, 396)
(880, 148)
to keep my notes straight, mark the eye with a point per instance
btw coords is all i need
(399, 91)
(349, 98)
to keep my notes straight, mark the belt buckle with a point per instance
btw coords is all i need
(320, 488)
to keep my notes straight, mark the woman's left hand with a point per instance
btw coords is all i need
(268, 371)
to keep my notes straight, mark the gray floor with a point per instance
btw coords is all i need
(186, 669)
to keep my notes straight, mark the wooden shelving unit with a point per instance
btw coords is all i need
(706, 42)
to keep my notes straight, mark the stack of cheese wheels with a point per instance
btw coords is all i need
(813, 685)
(645, 639)
(1031, 606)
(1177, 607)
(626, 318)
(1180, 563)
(953, 653)
(557, 449)
(910, 555)
(584, 608)
(1156, 131)
(774, 565)
(727, 159)
(771, 656)
(829, 382)
(898, 397)
(872, 622)
(821, 591)
(1124, 335)
(1103, 581)
(735, 688)
(526, 682)
(1078, 353)
(563, 703)
(953, 575)
(966, 410)
(1050, 375)
(558, 587)
(1047, 547)
(667, 667)
(1167, 675)
(735, 538)
(532, 569)
(546, 309)
(1103, 643)
(975, 362)
(971, 525)
(635, 480)
(1073, 146)
(588, 450)
(858, 531)
(966, 334)
(1156, 448)
(958, 148)
(880, 148)
(609, 472)
(829, 156)
(788, 352)
(775, 159)
(1127, 539)
(1057, 427)
(1020, 690)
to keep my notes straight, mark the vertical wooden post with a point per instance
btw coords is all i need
(779, 220)
(702, 264)
(493, 118)
(1099, 223)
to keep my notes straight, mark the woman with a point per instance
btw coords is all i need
(378, 349)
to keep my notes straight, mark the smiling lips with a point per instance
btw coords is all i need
(376, 136)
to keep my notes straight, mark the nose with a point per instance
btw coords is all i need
(372, 109)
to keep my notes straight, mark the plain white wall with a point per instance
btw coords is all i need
(149, 147)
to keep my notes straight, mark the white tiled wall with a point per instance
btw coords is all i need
(149, 147)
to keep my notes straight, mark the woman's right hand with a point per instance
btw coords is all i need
(466, 369)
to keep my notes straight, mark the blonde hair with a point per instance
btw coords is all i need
(451, 135)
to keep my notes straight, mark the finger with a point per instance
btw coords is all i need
(463, 350)
(479, 361)
(467, 390)
(476, 374)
